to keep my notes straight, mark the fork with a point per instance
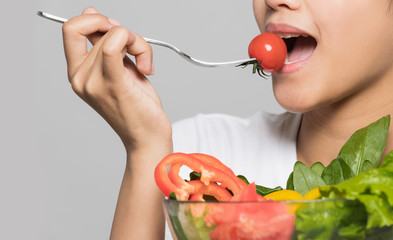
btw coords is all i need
(167, 45)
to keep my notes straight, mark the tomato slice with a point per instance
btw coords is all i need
(250, 219)
(232, 212)
(278, 227)
(246, 194)
(225, 231)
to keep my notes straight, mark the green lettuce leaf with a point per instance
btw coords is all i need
(388, 160)
(305, 179)
(318, 168)
(261, 190)
(331, 220)
(374, 189)
(366, 144)
(290, 182)
(336, 172)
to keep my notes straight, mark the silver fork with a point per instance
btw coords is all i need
(167, 45)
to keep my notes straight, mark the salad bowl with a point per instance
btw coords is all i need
(350, 198)
(273, 220)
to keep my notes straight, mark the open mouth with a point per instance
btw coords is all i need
(299, 47)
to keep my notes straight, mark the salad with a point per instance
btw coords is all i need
(356, 177)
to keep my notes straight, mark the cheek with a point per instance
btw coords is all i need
(355, 50)
(358, 51)
(323, 82)
(259, 8)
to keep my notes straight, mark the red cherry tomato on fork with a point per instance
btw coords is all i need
(269, 50)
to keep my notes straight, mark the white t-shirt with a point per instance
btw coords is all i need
(261, 147)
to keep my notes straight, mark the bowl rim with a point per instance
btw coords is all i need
(262, 202)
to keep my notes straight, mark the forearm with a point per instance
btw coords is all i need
(139, 212)
(118, 90)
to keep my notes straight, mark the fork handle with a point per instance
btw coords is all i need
(163, 44)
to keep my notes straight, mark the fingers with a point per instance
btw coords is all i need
(92, 10)
(143, 55)
(111, 43)
(75, 31)
(93, 38)
(118, 41)
(89, 10)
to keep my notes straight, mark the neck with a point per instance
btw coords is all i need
(324, 131)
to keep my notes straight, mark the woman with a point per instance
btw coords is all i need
(340, 79)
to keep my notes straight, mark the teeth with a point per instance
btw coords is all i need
(288, 62)
(290, 35)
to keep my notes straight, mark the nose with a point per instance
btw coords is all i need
(283, 4)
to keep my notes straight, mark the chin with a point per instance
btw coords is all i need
(306, 90)
(297, 99)
(295, 106)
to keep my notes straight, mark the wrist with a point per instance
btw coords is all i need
(148, 143)
(139, 189)
(143, 155)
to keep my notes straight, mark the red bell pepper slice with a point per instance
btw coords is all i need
(196, 198)
(214, 162)
(208, 174)
(218, 164)
(213, 189)
(173, 175)
(206, 159)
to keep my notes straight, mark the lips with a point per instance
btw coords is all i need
(300, 44)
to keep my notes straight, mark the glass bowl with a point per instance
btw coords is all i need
(273, 220)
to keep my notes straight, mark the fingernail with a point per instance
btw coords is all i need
(114, 22)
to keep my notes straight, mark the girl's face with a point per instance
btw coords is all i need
(345, 46)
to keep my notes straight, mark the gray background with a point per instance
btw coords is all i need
(61, 164)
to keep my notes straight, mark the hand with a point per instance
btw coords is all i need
(111, 83)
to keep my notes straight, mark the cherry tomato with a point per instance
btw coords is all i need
(269, 50)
